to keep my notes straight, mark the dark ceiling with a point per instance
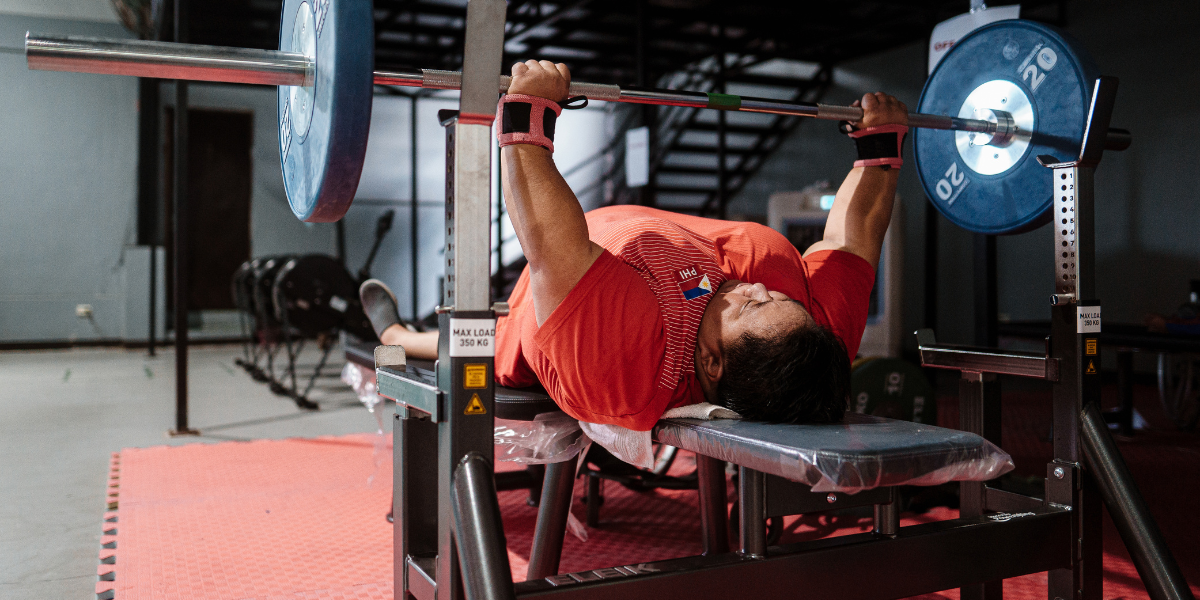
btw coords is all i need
(598, 39)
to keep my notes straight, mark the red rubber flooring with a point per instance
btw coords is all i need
(304, 518)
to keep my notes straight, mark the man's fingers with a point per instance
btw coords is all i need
(565, 72)
(547, 66)
(856, 103)
(519, 69)
(869, 102)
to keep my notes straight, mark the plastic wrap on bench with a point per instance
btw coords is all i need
(550, 438)
(362, 380)
(862, 453)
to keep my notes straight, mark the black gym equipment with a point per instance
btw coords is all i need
(892, 388)
(288, 301)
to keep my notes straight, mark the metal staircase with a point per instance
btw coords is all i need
(700, 158)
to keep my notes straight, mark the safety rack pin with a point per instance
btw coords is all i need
(985, 360)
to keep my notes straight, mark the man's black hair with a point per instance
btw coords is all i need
(798, 377)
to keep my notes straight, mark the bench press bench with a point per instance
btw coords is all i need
(783, 469)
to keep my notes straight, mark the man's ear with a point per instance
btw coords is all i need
(711, 362)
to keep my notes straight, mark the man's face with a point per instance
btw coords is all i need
(741, 308)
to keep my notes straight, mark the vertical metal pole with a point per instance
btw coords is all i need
(181, 238)
(149, 189)
(752, 505)
(413, 217)
(931, 266)
(1073, 189)
(986, 291)
(414, 508)
(551, 524)
(722, 176)
(1125, 391)
(979, 394)
(466, 372)
(339, 241)
(594, 500)
(645, 193)
(887, 516)
(887, 519)
(500, 281)
(714, 527)
(930, 289)
(1075, 342)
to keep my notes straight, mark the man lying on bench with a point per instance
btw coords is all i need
(627, 311)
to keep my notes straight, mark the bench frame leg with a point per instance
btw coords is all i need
(979, 413)
(752, 515)
(551, 525)
(887, 518)
(714, 524)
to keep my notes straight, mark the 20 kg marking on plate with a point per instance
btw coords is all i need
(472, 337)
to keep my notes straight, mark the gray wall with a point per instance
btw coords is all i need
(1147, 219)
(68, 157)
(68, 160)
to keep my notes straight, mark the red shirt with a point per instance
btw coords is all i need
(620, 348)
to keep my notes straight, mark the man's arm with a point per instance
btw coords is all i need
(545, 212)
(862, 208)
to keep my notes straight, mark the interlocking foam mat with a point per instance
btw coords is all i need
(305, 518)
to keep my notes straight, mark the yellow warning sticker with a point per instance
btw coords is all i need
(1091, 346)
(475, 376)
(475, 406)
(1091, 368)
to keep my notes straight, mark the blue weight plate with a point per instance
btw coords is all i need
(993, 190)
(323, 128)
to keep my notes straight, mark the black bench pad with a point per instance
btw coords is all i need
(863, 452)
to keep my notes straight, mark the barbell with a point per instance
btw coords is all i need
(979, 120)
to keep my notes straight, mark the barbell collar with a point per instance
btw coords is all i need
(167, 60)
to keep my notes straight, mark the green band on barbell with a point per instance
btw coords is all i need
(724, 101)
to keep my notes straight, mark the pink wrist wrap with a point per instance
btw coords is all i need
(526, 120)
(880, 146)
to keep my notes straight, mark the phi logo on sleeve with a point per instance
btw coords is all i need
(692, 283)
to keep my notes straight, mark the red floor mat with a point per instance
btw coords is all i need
(305, 519)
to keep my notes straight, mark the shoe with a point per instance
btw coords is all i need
(379, 303)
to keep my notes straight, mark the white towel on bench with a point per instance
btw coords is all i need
(634, 447)
(704, 410)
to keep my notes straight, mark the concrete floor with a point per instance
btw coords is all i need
(62, 413)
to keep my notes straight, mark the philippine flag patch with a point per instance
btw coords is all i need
(692, 283)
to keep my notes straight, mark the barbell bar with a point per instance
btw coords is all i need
(195, 62)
